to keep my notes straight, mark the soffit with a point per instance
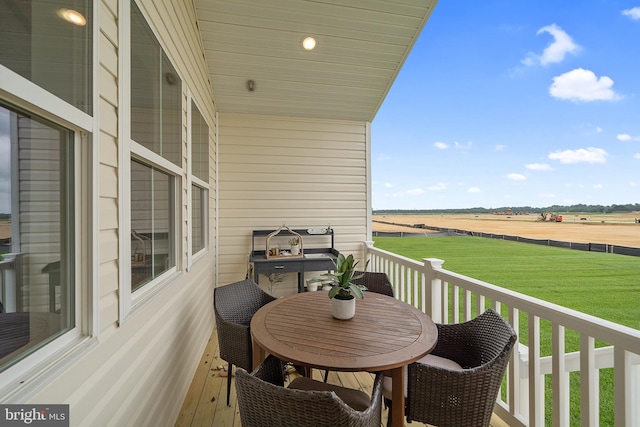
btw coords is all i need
(362, 45)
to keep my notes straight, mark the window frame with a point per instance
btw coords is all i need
(24, 378)
(131, 301)
(193, 180)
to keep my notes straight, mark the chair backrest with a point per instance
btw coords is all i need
(375, 282)
(442, 397)
(234, 306)
(239, 301)
(475, 343)
(264, 402)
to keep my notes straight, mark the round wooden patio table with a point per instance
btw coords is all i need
(385, 335)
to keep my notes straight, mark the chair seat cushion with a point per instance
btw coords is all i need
(357, 399)
(429, 359)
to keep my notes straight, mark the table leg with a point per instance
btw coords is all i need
(397, 396)
(258, 354)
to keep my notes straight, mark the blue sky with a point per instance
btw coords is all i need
(506, 103)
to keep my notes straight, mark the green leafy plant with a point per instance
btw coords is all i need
(341, 280)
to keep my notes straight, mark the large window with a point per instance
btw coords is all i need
(50, 44)
(37, 292)
(156, 164)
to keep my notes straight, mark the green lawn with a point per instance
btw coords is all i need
(603, 285)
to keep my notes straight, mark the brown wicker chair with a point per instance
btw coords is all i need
(444, 397)
(234, 306)
(263, 401)
(375, 282)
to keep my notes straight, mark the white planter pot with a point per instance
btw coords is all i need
(295, 250)
(343, 309)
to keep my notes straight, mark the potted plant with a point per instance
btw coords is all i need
(295, 245)
(343, 291)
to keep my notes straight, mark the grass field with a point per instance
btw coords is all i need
(600, 284)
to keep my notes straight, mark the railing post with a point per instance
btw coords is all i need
(433, 288)
(368, 245)
(10, 282)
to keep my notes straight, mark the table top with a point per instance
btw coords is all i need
(384, 334)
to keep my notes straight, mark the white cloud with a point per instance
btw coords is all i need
(441, 145)
(633, 13)
(383, 157)
(411, 192)
(561, 45)
(466, 146)
(598, 186)
(632, 184)
(581, 155)
(438, 187)
(583, 85)
(415, 191)
(500, 147)
(627, 137)
(538, 167)
(636, 156)
(473, 190)
(388, 185)
(516, 177)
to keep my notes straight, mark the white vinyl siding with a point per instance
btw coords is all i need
(158, 348)
(302, 172)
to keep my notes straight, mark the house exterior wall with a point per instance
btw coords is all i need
(139, 368)
(300, 172)
(263, 171)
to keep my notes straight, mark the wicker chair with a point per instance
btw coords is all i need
(442, 395)
(263, 401)
(375, 282)
(234, 306)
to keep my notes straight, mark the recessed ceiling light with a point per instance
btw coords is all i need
(73, 16)
(309, 43)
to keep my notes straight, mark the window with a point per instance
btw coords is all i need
(37, 298)
(200, 178)
(156, 157)
(50, 44)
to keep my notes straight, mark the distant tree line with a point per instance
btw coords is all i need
(5, 217)
(580, 208)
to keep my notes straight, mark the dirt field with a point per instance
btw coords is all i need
(5, 229)
(614, 229)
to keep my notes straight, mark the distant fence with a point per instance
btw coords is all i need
(441, 231)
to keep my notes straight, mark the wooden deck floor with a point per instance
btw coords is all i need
(206, 401)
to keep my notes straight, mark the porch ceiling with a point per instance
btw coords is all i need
(362, 45)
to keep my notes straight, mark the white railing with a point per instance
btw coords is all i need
(449, 297)
(10, 277)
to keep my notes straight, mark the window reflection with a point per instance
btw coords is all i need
(36, 233)
(43, 47)
(152, 204)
